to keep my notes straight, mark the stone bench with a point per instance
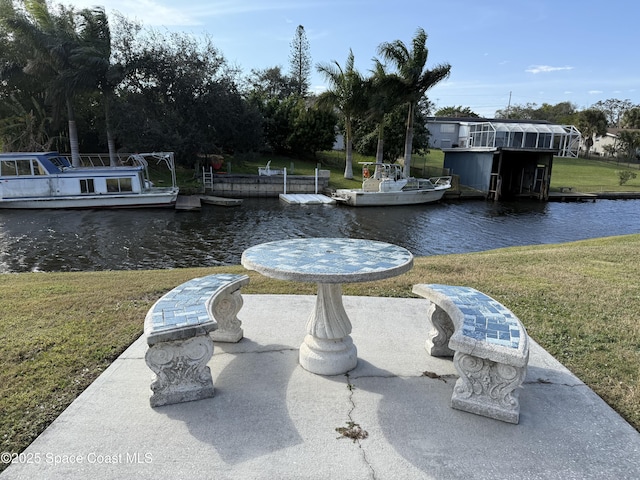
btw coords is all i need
(489, 345)
(180, 328)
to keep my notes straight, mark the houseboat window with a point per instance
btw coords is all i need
(37, 168)
(86, 185)
(60, 162)
(116, 185)
(125, 185)
(8, 167)
(24, 167)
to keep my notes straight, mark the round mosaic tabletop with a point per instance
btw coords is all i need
(328, 260)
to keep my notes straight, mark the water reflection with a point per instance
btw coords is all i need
(68, 240)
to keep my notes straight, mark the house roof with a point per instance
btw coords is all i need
(616, 131)
(482, 120)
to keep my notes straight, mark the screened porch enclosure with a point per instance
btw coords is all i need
(564, 139)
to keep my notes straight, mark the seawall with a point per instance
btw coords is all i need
(243, 186)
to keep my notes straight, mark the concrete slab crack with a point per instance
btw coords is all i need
(544, 381)
(353, 430)
(432, 375)
(219, 351)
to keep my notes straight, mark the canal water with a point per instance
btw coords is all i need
(90, 240)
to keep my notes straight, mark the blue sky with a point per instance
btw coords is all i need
(500, 51)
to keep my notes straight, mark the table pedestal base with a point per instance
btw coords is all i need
(328, 349)
(328, 357)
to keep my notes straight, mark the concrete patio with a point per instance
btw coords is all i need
(271, 419)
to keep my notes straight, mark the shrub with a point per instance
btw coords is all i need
(625, 176)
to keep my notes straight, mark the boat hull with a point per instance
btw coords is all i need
(359, 198)
(141, 200)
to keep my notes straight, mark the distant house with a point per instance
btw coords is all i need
(603, 145)
(503, 158)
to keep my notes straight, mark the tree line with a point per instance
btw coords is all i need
(75, 80)
(117, 86)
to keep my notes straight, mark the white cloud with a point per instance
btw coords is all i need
(545, 68)
(150, 12)
(595, 92)
(163, 13)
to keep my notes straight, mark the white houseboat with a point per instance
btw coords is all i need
(47, 180)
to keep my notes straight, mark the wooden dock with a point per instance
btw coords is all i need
(571, 196)
(220, 201)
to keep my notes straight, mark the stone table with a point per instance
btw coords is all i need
(328, 348)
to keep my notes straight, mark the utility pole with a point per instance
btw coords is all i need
(509, 105)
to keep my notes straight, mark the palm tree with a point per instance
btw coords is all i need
(94, 56)
(346, 95)
(413, 78)
(381, 100)
(26, 129)
(54, 41)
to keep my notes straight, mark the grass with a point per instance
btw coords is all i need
(332, 161)
(580, 301)
(592, 176)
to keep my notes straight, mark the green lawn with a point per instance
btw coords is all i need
(592, 176)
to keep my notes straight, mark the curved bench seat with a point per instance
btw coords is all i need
(180, 328)
(489, 345)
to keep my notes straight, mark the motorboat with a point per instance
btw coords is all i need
(48, 180)
(385, 184)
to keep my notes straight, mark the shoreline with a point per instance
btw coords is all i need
(553, 196)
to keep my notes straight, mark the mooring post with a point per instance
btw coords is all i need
(285, 182)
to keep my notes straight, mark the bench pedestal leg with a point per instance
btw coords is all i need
(225, 311)
(437, 343)
(328, 349)
(182, 374)
(487, 388)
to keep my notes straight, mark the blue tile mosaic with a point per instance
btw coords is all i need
(484, 318)
(185, 305)
(334, 256)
